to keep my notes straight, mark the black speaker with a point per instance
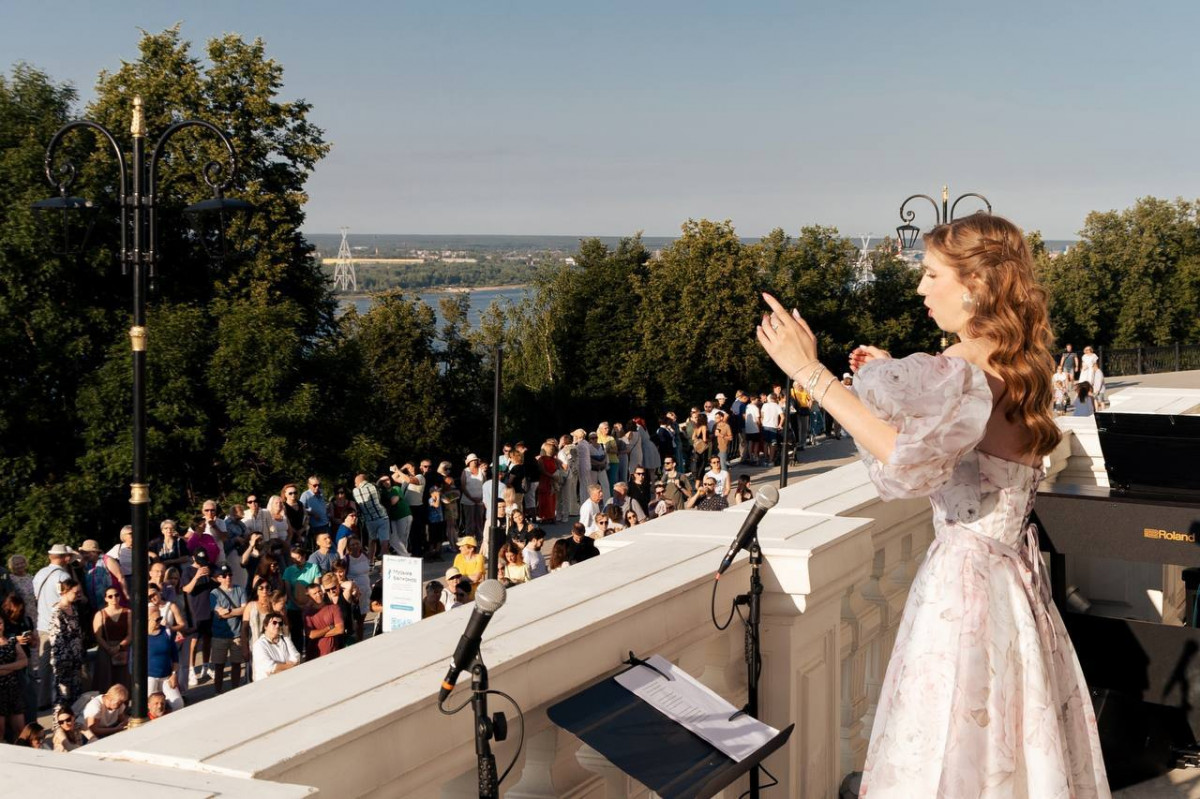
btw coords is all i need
(1140, 740)
(1147, 452)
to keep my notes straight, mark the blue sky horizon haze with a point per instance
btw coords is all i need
(606, 119)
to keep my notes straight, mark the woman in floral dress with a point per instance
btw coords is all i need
(983, 695)
(66, 645)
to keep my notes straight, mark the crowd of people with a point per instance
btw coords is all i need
(1079, 383)
(242, 593)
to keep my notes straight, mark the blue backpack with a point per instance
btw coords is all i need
(97, 581)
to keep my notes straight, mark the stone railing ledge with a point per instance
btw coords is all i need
(35, 772)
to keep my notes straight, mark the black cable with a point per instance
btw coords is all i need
(520, 716)
(712, 609)
(521, 739)
(444, 712)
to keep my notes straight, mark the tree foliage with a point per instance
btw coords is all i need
(1134, 277)
(238, 352)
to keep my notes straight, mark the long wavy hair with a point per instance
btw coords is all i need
(993, 261)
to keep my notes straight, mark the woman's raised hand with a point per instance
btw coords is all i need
(864, 354)
(787, 338)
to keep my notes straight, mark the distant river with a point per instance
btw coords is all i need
(480, 300)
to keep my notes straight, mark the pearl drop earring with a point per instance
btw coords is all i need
(967, 299)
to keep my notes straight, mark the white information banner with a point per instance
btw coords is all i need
(401, 591)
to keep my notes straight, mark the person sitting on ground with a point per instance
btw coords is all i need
(514, 570)
(157, 705)
(559, 557)
(721, 476)
(520, 528)
(1085, 405)
(462, 593)
(579, 546)
(707, 497)
(67, 736)
(621, 500)
(105, 714)
(432, 605)
(532, 554)
(447, 597)
(741, 492)
(273, 651)
(470, 563)
(376, 608)
(33, 736)
(590, 509)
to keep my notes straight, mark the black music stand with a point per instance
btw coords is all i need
(651, 748)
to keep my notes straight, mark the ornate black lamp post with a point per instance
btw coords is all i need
(139, 253)
(908, 232)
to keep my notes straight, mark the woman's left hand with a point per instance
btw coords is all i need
(787, 338)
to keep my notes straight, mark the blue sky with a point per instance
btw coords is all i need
(612, 117)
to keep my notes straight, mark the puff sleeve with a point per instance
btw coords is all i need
(939, 405)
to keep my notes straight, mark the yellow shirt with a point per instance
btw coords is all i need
(610, 446)
(471, 568)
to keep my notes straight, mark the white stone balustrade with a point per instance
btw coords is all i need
(364, 722)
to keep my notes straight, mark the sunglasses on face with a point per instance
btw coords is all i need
(274, 623)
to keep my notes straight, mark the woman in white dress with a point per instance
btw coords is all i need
(1088, 363)
(983, 695)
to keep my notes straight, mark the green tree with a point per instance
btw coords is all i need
(888, 312)
(238, 351)
(1132, 279)
(700, 307)
(815, 273)
(400, 375)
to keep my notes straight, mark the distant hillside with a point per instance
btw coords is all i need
(421, 261)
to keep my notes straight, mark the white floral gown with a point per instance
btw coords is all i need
(983, 696)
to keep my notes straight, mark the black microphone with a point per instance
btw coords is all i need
(489, 597)
(764, 500)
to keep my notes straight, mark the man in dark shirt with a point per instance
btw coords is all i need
(197, 584)
(579, 546)
(1069, 361)
(707, 497)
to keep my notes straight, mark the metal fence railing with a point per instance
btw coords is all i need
(1149, 360)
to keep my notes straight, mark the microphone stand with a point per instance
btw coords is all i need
(489, 787)
(753, 651)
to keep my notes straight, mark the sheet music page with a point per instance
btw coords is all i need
(687, 702)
